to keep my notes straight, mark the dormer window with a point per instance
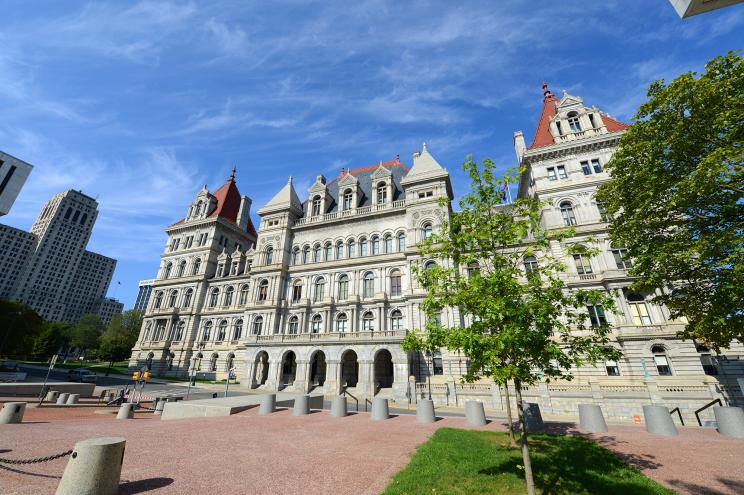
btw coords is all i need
(381, 193)
(573, 122)
(592, 121)
(558, 126)
(348, 198)
(316, 206)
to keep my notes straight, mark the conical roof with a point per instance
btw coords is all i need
(286, 198)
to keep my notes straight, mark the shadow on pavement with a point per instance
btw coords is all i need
(141, 486)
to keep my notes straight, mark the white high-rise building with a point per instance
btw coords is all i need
(13, 174)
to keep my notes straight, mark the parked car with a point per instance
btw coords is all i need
(82, 375)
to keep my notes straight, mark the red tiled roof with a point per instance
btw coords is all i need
(542, 134)
(613, 125)
(392, 163)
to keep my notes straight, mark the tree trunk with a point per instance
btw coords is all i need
(111, 363)
(523, 440)
(509, 418)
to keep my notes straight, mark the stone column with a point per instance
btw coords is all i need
(400, 379)
(332, 373)
(272, 378)
(302, 377)
(366, 377)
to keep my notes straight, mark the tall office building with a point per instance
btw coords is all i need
(143, 295)
(13, 174)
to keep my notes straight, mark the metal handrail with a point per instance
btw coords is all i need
(706, 406)
(346, 392)
(676, 409)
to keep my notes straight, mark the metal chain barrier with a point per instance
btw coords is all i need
(35, 460)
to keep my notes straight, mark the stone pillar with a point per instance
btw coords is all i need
(339, 406)
(12, 413)
(400, 379)
(301, 405)
(272, 378)
(332, 373)
(366, 375)
(302, 377)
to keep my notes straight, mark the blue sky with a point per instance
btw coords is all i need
(140, 103)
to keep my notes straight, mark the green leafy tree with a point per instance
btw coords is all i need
(19, 327)
(520, 327)
(53, 337)
(120, 336)
(86, 333)
(677, 199)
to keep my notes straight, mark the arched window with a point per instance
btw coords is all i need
(375, 245)
(530, 264)
(263, 290)
(295, 256)
(148, 330)
(207, 332)
(197, 266)
(243, 298)
(396, 320)
(348, 198)
(319, 289)
(181, 269)
(173, 299)
(427, 230)
(328, 251)
(316, 324)
(573, 121)
(368, 285)
(269, 255)
(401, 242)
(342, 323)
(339, 250)
(213, 362)
(567, 212)
(229, 296)
(429, 265)
(363, 246)
(622, 260)
(187, 297)
(343, 287)
(316, 206)
(661, 361)
(388, 244)
(473, 269)
(352, 248)
(213, 297)
(294, 325)
(180, 330)
(222, 331)
(158, 300)
(297, 291)
(381, 193)
(316, 253)
(396, 285)
(306, 254)
(229, 366)
(368, 322)
(257, 325)
(238, 331)
(168, 269)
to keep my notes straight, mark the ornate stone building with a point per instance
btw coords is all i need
(322, 295)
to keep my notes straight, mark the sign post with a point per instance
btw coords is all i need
(52, 362)
(230, 375)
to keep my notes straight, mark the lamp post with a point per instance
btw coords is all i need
(431, 369)
(194, 366)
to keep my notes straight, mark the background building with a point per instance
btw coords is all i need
(13, 174)
(143, 294)
(49, 268)
(107, 308)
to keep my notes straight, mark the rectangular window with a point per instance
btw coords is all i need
(612, 368)
(583, 265)
(596, 166)
(709, 367)
(562, 172)
(585, 168)
(597, 315)
(296, 293)
(639, 313)
(551, 174)
(437, 363)
(622, 261)
(395, 285)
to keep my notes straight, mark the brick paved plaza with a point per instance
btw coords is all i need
(281, 453)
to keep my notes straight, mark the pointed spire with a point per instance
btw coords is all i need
(232, 176)
(284, 199)
(424, 163)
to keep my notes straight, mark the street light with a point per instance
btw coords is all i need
(431, 369)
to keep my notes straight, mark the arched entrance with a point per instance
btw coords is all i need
(383, 370)
(289, 369)
(317, 369)
(262, 368)
(349, 369)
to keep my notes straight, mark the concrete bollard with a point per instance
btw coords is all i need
(659, 421)
(12, 413)
(159, 407)
(338, 407)
(301, 405)
(94, 467)
(52, 396)
(730, 421)
(380, 409)
(475, 415)
(532, 417)
(126, 411)
(425, 411)
(591, 419)
(72, 399)
(268, 404)
(62, 399)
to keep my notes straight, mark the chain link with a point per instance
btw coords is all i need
(36, 460)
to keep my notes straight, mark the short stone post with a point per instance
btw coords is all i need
(475, 415)
(591, 419)
(532, 417)
(73, 399)
(380, 409)
(126, 411)
(94, 467)
(12, 413)
(301, 405)
(730, 421)
(51, 396)
(425, 411)
(159, 407)
(339, 407)
(62, 399)
(659, 421)
(268, 404)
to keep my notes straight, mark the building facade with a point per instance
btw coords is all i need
(320, 298)
(143, 295)
(49, 268)
(13, 174)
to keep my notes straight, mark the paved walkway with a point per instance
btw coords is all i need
(282, 454)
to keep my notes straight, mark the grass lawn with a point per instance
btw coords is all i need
(470, 462)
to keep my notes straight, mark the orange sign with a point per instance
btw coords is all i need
(637, 419)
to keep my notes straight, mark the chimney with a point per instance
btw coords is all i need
(519, 145)
(244, 213)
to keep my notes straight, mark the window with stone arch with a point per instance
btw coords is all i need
(375, 245)
(214, 297)
(181, 269)
(381, 193)
(296, 256)
(328, 248)
(180, 330)
(173, 299)
(339, 250)
(368, 285)
(222, 331)
(567, 213)
(396, 283)
(297, 291)
(316, 324)
(530, 265)
(269, 255)
(348, 199)
(243, 297)
(351, 249)
(263, 290)
(316, 206)
(342, 323)
(187, 297)
(343, 287)
(368, 322)
(229, 292)
(319, 289)
(207, 331)
(388, 244)
(197, 266)
(258, 325)
(401, 242)
(213, 362)
(427, 230)
(573, 121)
(168, 270)
(158, 300)
(148, 330)
(363, 246)
(396, 320)
(306, 254)
(661, 360)
(238, 330)
(294, 326)
(316, 254)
